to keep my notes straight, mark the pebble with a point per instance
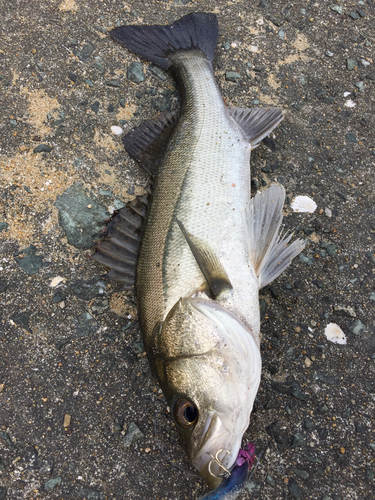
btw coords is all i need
(116, 130)
(43, 148)
(3, 492)
(349, 311)
(350, 64)
(327, 212)
(113, 83)
(329, 53)
(302, 474)
(132, 435)
(294, 489)
(52, 483)
(362, 13)
(372, 296)
(369, 472)
(308, 362)
(281, 34)
(297, 440)
(356, 327)
(159, 72)
(67, 420)
(3, 225)
(135, 72)
(30, 262)
(231, 76)
(5, 436)
(360, 86)
(336, 8)
(305, 260)
(354, 15)
(320, 93)
(85, 52)
(90, 494)
(95, 107)
(226, 46)
(270, 480)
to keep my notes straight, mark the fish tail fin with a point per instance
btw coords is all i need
(268, 250)
(198, 31)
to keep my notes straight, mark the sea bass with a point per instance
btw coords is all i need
(206, 248)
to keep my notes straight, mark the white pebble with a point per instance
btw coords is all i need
(328, 212)
(116, 130)
(334, 333)
(346, 94)
(56, 281)
(349, 103)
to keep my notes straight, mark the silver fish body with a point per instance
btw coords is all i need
(206, 247)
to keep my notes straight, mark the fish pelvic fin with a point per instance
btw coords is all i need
(119, 245)
(198, 31)
(256, 123)
(212, 269)
(268, 250)
(147, 142)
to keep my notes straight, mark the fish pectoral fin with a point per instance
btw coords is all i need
(147, 142)
(256, 123)
(212, 269)
(268, 251)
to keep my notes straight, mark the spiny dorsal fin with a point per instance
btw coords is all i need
(269, 254)
(256, 123)
(214, 273)
(147, 142)
(118, 248)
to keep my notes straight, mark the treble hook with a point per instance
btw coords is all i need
(217, 461)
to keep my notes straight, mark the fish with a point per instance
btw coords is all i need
(198, 249)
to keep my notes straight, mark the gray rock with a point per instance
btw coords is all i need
(320, 93)
(85, 325)
(22, 320)
(100, 306)
(350, 137)
(159, 72)
(306, 260)
(85, 52)
(354, 15)
(281, 34)
(270, 480)
(90, 494)
(135, 72)
(350, 64)
(370, 256)
(349, 311)
(263, 307)
(30, 262)
(6, 438)
(372, 296)
(79, 221)
(336, 8)
(369, 473)
(3, 225)
(132, 435)
(297, 440)
(116, 83)
(95, 107)
(43, 148)
(360, 86)
(314, 460)
(52, 483)
(254, 487)
(362, 13)
(302, 474)
(329, 53)
(231, 76)
(294, 489)
(356, 327)
(3, 493)
(226, 46)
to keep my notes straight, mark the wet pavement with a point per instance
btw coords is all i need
(81, 415)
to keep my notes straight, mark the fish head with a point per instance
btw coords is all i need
(209, 368)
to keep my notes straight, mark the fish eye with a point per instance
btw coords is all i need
(185, 413)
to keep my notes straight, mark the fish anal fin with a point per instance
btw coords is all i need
(147, 142)
(269, 252)
(212, 269)
(119, 245)
(256, 123)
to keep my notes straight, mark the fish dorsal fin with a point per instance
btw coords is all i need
(256, 123)
(147, 142)
(212, 269)
(119, 245)
(268, 250)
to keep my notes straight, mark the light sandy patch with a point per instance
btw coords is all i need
(40, 104)
(301, 43)
(68, 5)
(120, 305)
(104, 141)
(126, 113)
(272, 82)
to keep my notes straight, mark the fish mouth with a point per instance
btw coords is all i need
(218, 451)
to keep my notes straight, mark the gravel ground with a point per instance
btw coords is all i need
(81, 415)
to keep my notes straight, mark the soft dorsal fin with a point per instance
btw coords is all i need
(256, 123)
(147, 142)
(118, 248)
(212, 269)
(268, 251)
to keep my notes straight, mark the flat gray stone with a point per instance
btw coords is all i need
(133, 434)
(135, 72)
(52, 483)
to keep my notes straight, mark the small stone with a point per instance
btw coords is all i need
(270, 480)
(89, 82)
(294, 489)
(303, 12)
(132, 435)
(350, 137)
(336, 8)
(308, 362)
(67, 420)
(360, 86)
(114, 83)
(306, 260)
(231, 76)
(302, 474)
(5, 436)
(3, 493)
(85, 52)
(52, 483)
(320, 93)
(348, 310)
(354, 15)
(226, 46)
(372, 296)
(356, 327)
(95, 107)
(281, 34)
(350, 64)
(362, 13)
(43, 148)
(327, 212)
(3, 225)
(369, 473)
(342, 450)
(116, 130)
(297, 440)
(159, 72)
(29, 261)
(370, 256)
(329, 53)
(135, 72)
